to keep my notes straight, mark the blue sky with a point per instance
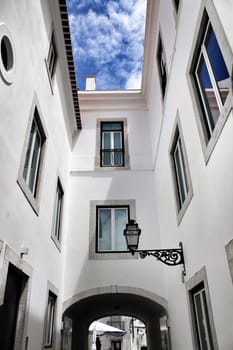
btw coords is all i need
(107, 38)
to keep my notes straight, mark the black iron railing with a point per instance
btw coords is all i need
(112, 157)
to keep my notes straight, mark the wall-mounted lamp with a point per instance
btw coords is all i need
(170, 257)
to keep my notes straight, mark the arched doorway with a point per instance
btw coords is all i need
(85, 308)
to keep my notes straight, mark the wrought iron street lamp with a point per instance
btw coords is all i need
(170, 257)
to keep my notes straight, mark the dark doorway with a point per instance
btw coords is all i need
(14, 293)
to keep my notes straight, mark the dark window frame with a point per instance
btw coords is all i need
(29, 154)
(57, 215)
(181, 203)
(50, 318)
(97, 226)
(162, 65)
(180, 169)
(176, 4)
(200, 290)
(52, 56)
(112, 151)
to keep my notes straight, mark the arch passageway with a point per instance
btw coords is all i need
(87, 309)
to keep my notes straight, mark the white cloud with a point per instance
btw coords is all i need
(134, 81)
(113, 37)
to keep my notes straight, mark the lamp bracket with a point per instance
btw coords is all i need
(170, 257)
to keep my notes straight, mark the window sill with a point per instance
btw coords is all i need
(226, 111)
(56, 242)
(184, 207)
(112, 255)
(28, 194)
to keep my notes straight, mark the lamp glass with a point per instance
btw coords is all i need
(132, 233)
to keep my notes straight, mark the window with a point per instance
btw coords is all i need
(180, 170)
(176, 4)
(32, 159)
(212, 80)
(112, 144)
(209, 78)
(57, 212)
(202, 322)
(111, 222)
(50, 318)
(52, 57)
(162, 66)
(112, 149)
(117, 322)
(7, 55)
(108, 219)
(203, 329)
(33, 155)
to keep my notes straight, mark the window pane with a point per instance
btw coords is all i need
(176, 4)
(218, 65)
(106, 146)
(121, 219)
(208, 96)
(50, 320)
(200, 322)
(162, 66)
(34, 164)
(118, 159)
(29, 148)
(111, 126)
(106, 140)
(207, 319)
(180, 173)
(57, 212)
(105, 230)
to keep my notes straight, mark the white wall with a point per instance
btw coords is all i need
(20, 226)
(207, 224)
(88, 184)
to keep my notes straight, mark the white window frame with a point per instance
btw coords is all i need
(203, 53)
(57, 215)
(33, 194)
(208, 14)
(198, 282)
(113, 231)
(107, 255)
(180, 178)
(205, 321)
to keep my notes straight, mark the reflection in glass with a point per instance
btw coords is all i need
(208, 95)
(218, 64)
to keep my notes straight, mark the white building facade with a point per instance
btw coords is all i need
(161, 156)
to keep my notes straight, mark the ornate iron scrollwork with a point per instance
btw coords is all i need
(170, 257)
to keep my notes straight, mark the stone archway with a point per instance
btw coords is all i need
(90, 305)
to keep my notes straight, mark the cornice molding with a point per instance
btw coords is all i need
(112, 100)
